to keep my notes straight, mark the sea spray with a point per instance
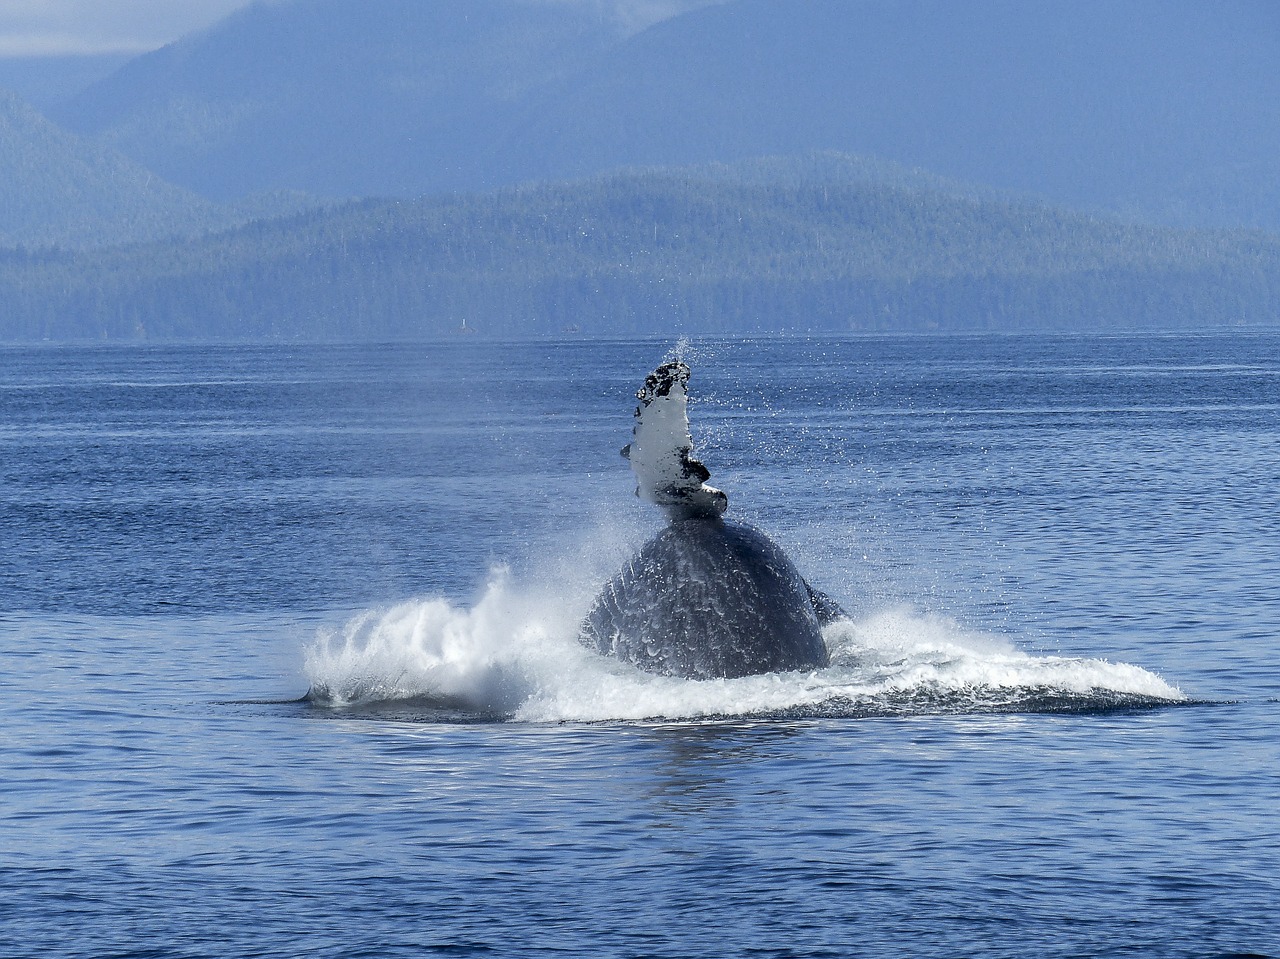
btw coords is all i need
(484, 658)
(514, 654)
(943, 666)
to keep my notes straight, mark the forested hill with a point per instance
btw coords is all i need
(794, 246)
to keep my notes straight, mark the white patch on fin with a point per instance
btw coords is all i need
(661, 448)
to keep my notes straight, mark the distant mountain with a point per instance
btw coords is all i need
(59, 189)
(44, 81)
(815, 243)
(1157, 108)
(1160, 109)
(339, 97)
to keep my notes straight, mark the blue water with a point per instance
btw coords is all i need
(1051, 726)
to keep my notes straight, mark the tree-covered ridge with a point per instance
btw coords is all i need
(654, 251)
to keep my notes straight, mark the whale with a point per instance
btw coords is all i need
(706, 597)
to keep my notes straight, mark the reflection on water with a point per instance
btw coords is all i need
(698, 763)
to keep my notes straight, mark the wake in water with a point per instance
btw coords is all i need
(515, 655)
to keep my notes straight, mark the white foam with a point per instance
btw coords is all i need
(902, 650)
(515, 653)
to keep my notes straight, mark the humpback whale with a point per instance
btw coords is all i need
(706, 597)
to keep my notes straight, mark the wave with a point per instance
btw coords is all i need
(514, 655)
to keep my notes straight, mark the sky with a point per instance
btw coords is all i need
(33, 28)
(54, 27)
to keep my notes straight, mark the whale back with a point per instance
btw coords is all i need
(708, 598)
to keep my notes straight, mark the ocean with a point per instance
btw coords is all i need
(290, 662)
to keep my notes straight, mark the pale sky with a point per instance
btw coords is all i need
(50, 27)
(47, 27)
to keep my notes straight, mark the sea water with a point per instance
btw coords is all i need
(1050, 725)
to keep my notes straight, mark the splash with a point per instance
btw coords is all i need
(681, 352)
(485, 658)
(514, 655)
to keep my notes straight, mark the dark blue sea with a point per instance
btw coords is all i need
(1051, 725)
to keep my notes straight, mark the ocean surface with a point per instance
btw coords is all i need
(289, 659)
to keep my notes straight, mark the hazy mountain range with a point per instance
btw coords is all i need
(1159, 106)
(1158, 111)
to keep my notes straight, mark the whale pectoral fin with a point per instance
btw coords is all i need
(824, 607)
(694, 469)
(661, 449)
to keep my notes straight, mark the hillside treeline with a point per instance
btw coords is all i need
(650, 252)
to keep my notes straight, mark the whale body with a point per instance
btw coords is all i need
(706, 597)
